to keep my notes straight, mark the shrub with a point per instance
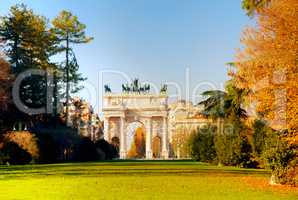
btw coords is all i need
(233, 148)
(57, 142)
(109, 151)
(227, 149)
(21, 143)
(181, 142)
(246, 158)
(48, 148)
(3, 157)
(15, 155)
(260, 130)
(201, 144)
(282, 159)
(86, 150)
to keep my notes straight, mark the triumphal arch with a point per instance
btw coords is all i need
(126, 111)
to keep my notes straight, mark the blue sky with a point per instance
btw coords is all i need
(157, 41)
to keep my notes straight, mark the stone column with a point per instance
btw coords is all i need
(149, 139)
(165, 152)
(106, 128)
(123, 152)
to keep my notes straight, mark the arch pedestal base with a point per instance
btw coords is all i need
(148, 154)
(165, 154)
(123, 154)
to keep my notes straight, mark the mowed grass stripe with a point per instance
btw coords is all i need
(135, 180)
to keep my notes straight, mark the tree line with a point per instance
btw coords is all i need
(264, 76)
(30, 42)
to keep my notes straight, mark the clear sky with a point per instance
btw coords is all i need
(157, 41)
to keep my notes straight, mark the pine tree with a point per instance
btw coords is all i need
(69, 30)
(28, 45)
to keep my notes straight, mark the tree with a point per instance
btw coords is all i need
(214, 104)
(201, 144)
(267, 68)
(76, 117)
(232, 146)
(281, 158)
(267, 65)
(25, 140)
(223, 105)
(86, 150)
(234, 101)
(14, 30)
(251, 6)
(260, 131)
(14, 154)
(109, 151)
(226, 108)
(69, 30)
(180, 142)
(5, 84)
(28, 45)
(6, 79)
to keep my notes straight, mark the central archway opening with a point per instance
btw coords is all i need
(136, 143)
(156, 147)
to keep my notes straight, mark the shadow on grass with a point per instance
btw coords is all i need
(102, 163)
(125, 168)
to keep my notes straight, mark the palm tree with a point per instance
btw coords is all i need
(222, 105)
(234, 101)
(214, 104)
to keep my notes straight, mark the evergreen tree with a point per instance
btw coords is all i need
(28, 45)
(226, 107)
(69, 30)
(201, 143)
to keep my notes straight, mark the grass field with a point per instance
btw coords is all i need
(138, 180)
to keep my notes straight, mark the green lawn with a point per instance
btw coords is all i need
(138, 180)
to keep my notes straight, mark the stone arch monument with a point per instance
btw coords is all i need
(120, 110)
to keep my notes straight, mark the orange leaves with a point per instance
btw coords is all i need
(25, 140)
(268, 63)
(5, 80)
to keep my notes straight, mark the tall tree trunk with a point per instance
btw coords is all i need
(46, 92)
(67, 80)
(16, 52)
(55, 94)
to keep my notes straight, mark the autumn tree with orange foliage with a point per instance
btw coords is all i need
(25, 140)
(6, 79)
(5, 83)
(180, 142)
(267, 66)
